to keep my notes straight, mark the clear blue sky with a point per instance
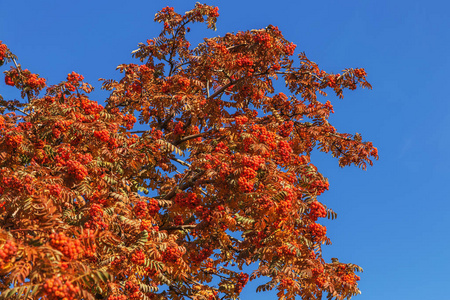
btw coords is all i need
(392, 219)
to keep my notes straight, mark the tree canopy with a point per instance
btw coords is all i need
(213, 188)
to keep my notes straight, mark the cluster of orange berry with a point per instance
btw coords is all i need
(286, 283)
(317, 230)
(317, 211)
(264, 136)
(284, 151)
(178, 129)
(12, 183)
(133, 290)
(140, 209)
(74, 77)
(117, 297)
(240, 120)
(138, 257)
(245, 185)
(59, 127)
(102, 135)
(96, 217)
(57, 288)
(91, 107)
(285, 129)
(129, 120)
(360, 72)
(242, 280)
(171, 254)
(148, 225)
(12, 141)
(263, 38)
(319, 186)
(76, 169)
(70, 248)
(33, 80)
(189, 200)
(346, 274)
(244, 62)
(214, 13)
(8, 251)
(3, 49)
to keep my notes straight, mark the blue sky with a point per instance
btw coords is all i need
(392, 218)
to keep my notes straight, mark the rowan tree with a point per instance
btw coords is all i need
(216, 177)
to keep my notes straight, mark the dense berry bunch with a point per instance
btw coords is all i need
(9, 81)
(129, 121)
(153, 206)
(241, 282)
(70, 248)
(13, 141)
(57, 288)
(284, 151)
(76, 170)
(140, 209)
(117, 297)
(317, 230)
(178, 129)
(74, 77)
(189, 200)
(285, 129)
(138, 257)
(3, 49)
(317, 210)
(133, 290)
(102, 135)
(171, 254)
(8, 251)
(96, 217)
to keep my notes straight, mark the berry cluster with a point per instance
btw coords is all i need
(33, 80)
(171, 254)
(102, 135)
(9, 81)
(138, 257)
(91, 107)
(253, 162)
(133, 290)
(117, 297)
(244, 62)
(317, 230)
(346, 274)
(129, 121)
(140, 209)
(74, 77)
(360, 72)
(178, 129)
(188, 200)
(153, 206)
(12, 141)
(285, 129)
(8, 251)
(76, 169)
(96, 217)
(285, 283)
(284, 151)
(3, 49)
(240, 120)
(148, 226)
(70, 248)
(60, 126)
(245, 185)
(214, 13)
(242, 280)
(60, 289)
(317, 211)
(264, 136)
